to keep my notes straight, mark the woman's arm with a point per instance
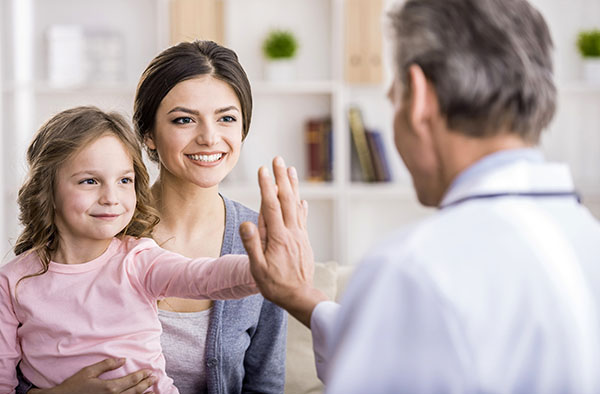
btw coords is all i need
(86, 381)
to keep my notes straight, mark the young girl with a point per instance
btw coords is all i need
(84, 284)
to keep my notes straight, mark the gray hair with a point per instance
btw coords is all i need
(489, 61)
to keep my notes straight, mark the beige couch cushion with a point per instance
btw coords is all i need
(301, 375)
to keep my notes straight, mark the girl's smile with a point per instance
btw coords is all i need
(95, 198)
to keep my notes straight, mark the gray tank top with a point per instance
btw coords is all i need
(183, 341)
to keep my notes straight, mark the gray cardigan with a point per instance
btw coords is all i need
(245, 345)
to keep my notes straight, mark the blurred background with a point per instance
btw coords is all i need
(319, 71)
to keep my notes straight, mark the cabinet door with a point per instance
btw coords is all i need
(363, 45)
(196, 19)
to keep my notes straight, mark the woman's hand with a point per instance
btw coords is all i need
(281, 258)
(86, 381)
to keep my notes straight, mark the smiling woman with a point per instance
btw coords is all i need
(192, 110)
(197, 136)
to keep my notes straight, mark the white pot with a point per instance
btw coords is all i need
(280, 70)
(591, 70)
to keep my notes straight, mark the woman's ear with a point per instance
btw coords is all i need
(149, 141)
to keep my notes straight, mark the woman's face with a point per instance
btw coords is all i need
(198, 131)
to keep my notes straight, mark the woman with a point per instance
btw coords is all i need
(192, 110)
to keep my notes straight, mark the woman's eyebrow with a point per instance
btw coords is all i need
(183, 109)
(225, 109)
(194, 112)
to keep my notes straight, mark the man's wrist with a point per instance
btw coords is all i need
(302, 303)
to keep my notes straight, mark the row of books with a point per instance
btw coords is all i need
(368, 157)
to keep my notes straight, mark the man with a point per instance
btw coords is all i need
(497, 292)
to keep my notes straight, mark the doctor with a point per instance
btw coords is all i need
(500, 290)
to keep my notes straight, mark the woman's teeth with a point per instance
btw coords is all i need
(206, 158)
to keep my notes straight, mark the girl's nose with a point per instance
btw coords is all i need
(108, 195)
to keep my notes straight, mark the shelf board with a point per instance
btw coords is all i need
(294, 87)
(578, 87)
(381, 190)
(332, 191)
(308, 190)
(45, 88)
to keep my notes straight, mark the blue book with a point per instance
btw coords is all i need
(380, 162)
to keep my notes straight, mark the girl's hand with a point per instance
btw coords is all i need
(87, 381)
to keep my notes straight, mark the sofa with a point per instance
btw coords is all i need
(301, 374)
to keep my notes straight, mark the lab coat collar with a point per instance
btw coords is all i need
(514, 177)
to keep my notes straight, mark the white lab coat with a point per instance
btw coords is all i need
(494, 295)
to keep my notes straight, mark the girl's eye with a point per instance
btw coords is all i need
(88, 181)
(227, 119)
(182, 120)
(126, 180)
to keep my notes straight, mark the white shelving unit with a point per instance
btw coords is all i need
(346, 217)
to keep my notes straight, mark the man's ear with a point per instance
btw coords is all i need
(149, 141)
(423, 101)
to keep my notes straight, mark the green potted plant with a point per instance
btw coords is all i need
(588, 44)
(279, 50)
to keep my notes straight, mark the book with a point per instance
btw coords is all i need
(377, 150)
(319, 148)
(359, 138)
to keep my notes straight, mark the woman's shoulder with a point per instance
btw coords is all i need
(238, 212)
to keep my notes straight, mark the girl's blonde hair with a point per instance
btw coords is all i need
(54, 143)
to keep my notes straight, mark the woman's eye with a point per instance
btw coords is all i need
(228, 118)
(88, 181)
(126, 180)
(182, 120)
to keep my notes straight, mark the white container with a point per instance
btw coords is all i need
(105, 57)
(281, 70)
(66, 56)
(591, 70)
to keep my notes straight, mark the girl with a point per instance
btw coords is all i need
(85, 282)
(192, 110)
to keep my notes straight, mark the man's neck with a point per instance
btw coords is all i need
(458, 151)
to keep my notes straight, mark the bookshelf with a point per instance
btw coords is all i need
(346, 216)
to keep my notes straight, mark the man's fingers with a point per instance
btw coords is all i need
(293, 177)
(287, 199)
(269, 206)
(251, 241)
(262, 231)
(304, 215)
(109, 364)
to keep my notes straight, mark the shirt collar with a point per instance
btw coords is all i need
(513, 170)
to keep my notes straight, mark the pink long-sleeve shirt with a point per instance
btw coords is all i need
(75, 315)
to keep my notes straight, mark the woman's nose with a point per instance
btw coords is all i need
(207, 134)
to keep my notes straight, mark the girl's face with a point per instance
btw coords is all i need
(198, 132)
(94, 193)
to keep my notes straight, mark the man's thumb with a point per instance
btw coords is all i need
(251, 241)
